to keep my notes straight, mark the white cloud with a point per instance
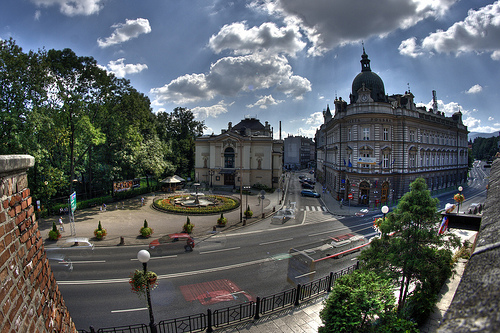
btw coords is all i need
(72, 7)
(478, 32)
(474, 125)
(315, 119)
(265, 101)
(491, 118)
(126, 31)
(474, 89)
(410, 48)
(120, 69)
(449, 108)
(231, 75)
(38, 14)
(214, 111)
(328, 24)
(266, 38)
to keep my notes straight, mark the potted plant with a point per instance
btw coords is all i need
(221, 221)
(140, 280)
(248, 213)
(188, 227)
(146, 231)
(100, 232)
(54, 234)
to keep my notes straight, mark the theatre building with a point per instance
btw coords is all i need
(374, 145)
(242, 155)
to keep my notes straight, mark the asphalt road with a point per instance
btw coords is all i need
(253, 261)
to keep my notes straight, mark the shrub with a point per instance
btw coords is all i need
(224, 204)
(54, 234)
(100, 232)
(248, 212)
(146, 231)
(188, 226)
(222, 220)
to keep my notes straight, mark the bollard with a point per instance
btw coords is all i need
(209, 321)
(122, 240)
(257, 309)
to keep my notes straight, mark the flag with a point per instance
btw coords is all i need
(444, 226)
(380, 163)
(344, 161)
(393, 161)
(350, 164)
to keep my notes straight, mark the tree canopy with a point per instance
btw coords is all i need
(85, 127)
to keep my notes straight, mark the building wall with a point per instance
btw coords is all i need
(30, 300)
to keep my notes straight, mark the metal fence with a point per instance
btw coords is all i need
(237, 313)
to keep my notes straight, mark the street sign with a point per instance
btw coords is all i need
(72, 201)
(350, 196)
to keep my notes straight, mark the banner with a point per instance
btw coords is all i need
(367, 160)
(126, 185)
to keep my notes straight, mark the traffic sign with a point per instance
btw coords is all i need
(350, 196)
(72, 201)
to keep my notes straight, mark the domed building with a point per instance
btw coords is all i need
(371, 149)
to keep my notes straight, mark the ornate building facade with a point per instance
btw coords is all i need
(242, 155)
(373, 147)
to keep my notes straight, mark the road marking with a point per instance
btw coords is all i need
(276, 241)
(221, 250)
(128, 310)
(298, 277)
(89, 262)
(168, 276)
(154, 258)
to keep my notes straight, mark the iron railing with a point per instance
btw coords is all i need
(237, 313)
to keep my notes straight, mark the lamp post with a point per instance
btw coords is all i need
(246, 205)
(385, 210)
(211, 173)
(460, 189)
(143, 256)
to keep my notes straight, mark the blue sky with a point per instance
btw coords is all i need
(277, 60)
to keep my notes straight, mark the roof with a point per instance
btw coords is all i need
(252, 123)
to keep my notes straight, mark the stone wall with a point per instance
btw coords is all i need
(30, 300)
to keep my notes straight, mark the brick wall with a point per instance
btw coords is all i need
(30, 300)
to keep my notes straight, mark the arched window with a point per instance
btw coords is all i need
(229, 158)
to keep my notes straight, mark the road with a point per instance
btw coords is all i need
(253, 260)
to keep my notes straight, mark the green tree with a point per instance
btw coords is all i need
(485, 148)
(362, 302)
(180, 129)
(410, 251)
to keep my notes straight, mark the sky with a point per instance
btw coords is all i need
(277, 60)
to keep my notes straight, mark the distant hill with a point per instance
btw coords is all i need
(473, 135)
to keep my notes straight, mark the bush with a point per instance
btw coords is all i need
(54, 234)
(266, 188)
(222, 220)
(146, 231)
(248, 212)
(188, 227)
(100, 232)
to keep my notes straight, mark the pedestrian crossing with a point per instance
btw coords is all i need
(314, 209)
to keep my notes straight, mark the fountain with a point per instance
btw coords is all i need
(194, 199)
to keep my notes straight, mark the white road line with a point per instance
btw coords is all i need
(154, 258)
(169, 276)
(298, 277)
(276, 241)
(128, 310)
(89, 262)
(221, 250)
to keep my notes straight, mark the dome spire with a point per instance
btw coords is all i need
(365, 62)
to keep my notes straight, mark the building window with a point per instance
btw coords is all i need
(385, 160)
(412, 160)
(386, 134)
(366, 133)
(229, 158)
(365, 165)
(412, 136)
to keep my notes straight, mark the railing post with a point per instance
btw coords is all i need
(297, 297)
(92, 330)
(209, 321)
(257, 309)
(330, 280)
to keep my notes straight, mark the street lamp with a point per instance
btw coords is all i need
(385, 210)
(460, 189)
(143, 256)
(246, 205)
(211, 173)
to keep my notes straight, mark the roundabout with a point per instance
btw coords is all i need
(196, 204)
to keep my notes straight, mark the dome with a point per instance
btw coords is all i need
(370, 81)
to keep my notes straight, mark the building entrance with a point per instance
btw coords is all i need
(384, 196)
(364, 193)
(229, 179)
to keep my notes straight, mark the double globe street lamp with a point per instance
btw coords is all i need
(144, 256)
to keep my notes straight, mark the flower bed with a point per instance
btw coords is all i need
(222, 204)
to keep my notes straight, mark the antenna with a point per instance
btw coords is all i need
(408, 84)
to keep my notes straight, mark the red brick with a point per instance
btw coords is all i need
(5, 204)
(18, 209)
(12, 212)
(29, 200)
(2, 217)
(24, 204)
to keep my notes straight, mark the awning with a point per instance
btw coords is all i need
(171, 180)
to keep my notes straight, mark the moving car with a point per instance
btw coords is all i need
(310, 193)
(172, 243)
(73, 246)
(283, 215)
(60, 265)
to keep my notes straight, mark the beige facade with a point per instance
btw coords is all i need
(245, 154)
(375, 146)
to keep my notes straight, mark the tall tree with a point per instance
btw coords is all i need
(410, 250)
(180, 129)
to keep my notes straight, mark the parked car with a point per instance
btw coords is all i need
(310, 193)
(309, 180)
(307, 185)
(172, 243)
